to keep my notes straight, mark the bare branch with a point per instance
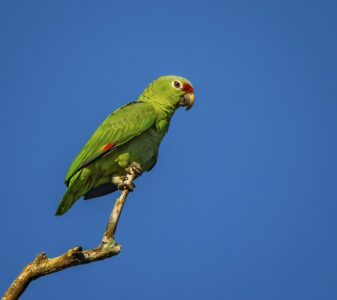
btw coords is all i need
(75, 256)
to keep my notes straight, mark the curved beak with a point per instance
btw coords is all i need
(187, 100)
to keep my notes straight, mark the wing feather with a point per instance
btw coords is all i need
(118, 128)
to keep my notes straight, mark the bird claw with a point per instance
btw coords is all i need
(132, 171)
(126, 185)
(135, 167)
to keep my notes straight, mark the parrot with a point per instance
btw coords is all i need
(129, 137)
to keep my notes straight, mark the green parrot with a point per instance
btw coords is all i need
(131, 135)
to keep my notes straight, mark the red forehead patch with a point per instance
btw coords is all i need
(187, 88)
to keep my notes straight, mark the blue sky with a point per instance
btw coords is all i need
(242, 202)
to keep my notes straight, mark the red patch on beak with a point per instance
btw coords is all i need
(187, 88)
(108, 146)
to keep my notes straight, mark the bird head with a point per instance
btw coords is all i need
(172, 91)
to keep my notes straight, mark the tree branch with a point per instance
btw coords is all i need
(75, 256)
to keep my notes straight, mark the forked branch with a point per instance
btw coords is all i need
(75, 256)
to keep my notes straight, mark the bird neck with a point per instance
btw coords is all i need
(163, 107)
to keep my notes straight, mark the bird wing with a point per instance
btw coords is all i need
(118, 128)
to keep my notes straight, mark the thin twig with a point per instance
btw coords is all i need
(75, 256)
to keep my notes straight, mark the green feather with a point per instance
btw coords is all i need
(132, 133)
(121, 126)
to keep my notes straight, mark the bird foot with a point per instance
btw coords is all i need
(132, 171)
(134, 167)
(126, 184)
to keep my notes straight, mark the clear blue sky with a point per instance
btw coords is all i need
(242, 203)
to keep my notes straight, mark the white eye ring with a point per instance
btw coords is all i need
(177, 84)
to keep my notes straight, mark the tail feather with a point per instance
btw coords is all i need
(101, 190)
(77, 188)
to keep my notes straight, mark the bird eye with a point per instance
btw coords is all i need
(177, 84)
